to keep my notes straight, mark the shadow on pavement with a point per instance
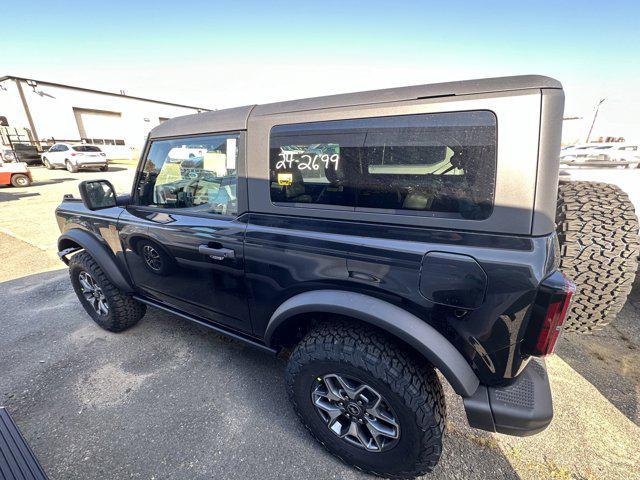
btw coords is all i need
(95, 170)
(168, 399)
(609, 359)
(8, 196)
(53, 181)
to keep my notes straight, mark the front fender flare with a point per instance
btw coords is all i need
(398, 322)
(99, 252)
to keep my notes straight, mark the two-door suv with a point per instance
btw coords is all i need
(372, 238)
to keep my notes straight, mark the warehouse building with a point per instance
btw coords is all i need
(44, 112)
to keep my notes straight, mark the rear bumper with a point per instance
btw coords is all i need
(523, 408)
(100, 163)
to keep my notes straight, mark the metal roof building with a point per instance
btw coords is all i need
(57, 112)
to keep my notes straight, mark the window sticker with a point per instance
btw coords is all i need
(285, 179)
(309, 157)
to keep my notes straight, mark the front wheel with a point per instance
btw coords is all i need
(367, 400)
(107, 305)
(46, 163)
(104, 168)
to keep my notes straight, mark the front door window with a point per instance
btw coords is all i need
(196, 174)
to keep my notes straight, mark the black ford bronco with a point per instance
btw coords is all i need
(372, 238)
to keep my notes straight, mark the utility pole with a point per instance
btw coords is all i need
(595, 115)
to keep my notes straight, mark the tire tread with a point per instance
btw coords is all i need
(598, 235)
(414, 381)
(126, 312)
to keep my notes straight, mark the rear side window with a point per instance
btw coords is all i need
(86, 148)
(441, 163)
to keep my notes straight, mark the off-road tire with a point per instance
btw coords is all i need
(124, 311)
(409, 385)
(71, 167)
(20, 180)
(598, 235)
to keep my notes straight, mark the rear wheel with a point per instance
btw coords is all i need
(107, 305)
(598, 235)
(20, 180)
(71, 167)
(367, 400)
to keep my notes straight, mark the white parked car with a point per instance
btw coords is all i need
(574, 153)
(75, 157)
(601, 155)
(618, 154)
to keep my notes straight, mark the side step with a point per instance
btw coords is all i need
(523, 408)
(17, 461)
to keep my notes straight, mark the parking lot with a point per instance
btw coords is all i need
(168, 399)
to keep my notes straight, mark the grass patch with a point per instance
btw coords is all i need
(486, 442)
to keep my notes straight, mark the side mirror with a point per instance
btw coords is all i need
(97, 194)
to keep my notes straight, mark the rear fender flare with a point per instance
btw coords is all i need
(398, 322)
(99, 252)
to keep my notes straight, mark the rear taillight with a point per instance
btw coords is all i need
(549, 311)
(74, 154)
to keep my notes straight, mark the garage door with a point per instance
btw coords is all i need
(97, 124)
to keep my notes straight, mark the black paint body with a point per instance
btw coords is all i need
(484, 284)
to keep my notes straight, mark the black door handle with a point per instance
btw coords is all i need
(216, 253)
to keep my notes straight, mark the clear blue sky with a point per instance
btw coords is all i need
(218, 54)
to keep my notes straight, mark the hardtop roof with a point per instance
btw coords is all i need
(236, 118)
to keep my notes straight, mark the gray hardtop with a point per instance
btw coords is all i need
(232, 119)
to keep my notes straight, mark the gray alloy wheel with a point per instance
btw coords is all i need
(98, 295)
(152, 257)
(355, 412)
(93, 293)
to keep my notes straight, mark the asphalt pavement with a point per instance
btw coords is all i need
(172, 400)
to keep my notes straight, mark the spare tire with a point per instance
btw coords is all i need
(598, 235)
